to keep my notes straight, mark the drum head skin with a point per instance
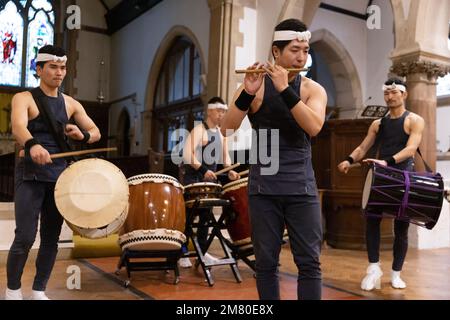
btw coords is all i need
(367, 188)
(102, 232)
(91, 193)
(234, 185)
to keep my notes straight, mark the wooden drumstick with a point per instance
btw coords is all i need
(243, 173)
(227, 168)
(262, 70)
(78, 153)
(355, 165)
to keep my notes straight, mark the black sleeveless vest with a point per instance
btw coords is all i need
(208, 159)
(393, 138)
(295, 175)
(40, 131)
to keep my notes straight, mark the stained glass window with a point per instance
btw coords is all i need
(11, 25)
(25, 20)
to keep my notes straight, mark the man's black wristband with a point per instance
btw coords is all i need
(244, 101)
(390, 161)
(202, 169)
(30, 143)
(290, 97)
(349, 159)
(86, 137)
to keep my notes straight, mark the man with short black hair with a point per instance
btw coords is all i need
(279, 101)
(399, 135)
(200, 165)
(36, 173)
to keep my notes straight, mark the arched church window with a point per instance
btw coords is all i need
(177, 101)
(25, 26)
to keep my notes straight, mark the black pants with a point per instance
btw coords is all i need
(400, 241)
(31, 199)
(302, 216)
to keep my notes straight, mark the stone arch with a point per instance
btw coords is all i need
(300, 9)
(158, 61)
(342, 68)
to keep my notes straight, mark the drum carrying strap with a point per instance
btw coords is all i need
(50, 120)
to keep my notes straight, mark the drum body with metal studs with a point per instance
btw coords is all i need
(157, 214)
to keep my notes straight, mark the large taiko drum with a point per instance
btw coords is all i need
(404, 195)
(92, 196)
(239, 224)
(156, 215)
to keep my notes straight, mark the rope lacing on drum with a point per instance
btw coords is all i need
(144, 238)
(160, 177)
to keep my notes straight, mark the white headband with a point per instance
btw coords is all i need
(286, 35)
(394, 86)
(43, 57)
(217, 105)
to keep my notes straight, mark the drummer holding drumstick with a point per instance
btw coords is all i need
(205, 148)
(398, 136)
(36, 173)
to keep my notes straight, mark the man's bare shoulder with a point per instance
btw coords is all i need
(415, 117)
(69, 100)
(375, 125)
(312, 86)
(22, 96)
(198, 128)
(310, 83)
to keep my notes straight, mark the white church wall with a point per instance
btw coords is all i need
(133, 50)
(246, 56)
(439, 236)
(92, 47)
(380, 43)
(443, 129)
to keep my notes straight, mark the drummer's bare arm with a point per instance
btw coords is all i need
(20, 106)
(360, 151)
(226, 155)
(232, 175)
(19, 118)
(192, 142)
(83, 121)
(416, 126)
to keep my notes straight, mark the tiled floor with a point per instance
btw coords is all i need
(427, 273)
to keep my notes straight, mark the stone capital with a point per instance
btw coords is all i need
(408, 66)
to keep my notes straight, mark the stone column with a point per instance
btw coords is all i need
(223, 40)
(421, 77)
